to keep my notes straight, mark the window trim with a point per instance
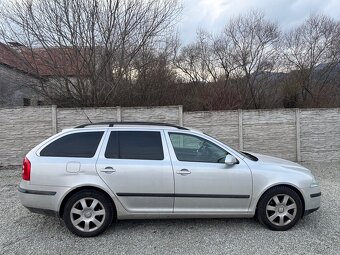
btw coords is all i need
(163, 144)
(194, 135)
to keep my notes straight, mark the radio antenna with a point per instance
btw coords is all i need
(86, 116)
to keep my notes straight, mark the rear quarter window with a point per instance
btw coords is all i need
(78, 145)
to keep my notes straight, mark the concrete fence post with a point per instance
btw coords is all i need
(180, 115)
(298, 135)
(54, 119)
(119, 113)
(240, 129)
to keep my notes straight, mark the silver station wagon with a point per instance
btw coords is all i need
(94, 174)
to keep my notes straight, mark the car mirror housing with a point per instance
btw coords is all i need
(230, 160)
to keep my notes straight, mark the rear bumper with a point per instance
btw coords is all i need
(37, 192)
(43, 211)
(41, 199)
(32, 199)
(38, 201)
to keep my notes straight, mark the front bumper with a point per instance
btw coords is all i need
(307, 212)
(312, 197)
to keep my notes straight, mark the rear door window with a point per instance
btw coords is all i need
(142, 145)
(78, 145)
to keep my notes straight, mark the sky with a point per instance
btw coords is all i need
(212, 15)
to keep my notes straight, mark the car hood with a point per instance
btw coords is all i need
(269, 160)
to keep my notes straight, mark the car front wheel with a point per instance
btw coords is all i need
(88, 213)
(280, 208)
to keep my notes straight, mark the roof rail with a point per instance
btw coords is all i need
(112, 124)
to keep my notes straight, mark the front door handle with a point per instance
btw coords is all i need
(108, 170)
(183, 172)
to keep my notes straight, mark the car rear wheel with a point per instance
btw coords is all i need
(280, 208)
(88, 213)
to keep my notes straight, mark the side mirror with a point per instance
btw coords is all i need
(230, 160)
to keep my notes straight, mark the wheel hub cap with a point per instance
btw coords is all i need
(88, 214)
(281, 209)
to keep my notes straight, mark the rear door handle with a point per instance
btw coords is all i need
(183, 172)
(108, 170)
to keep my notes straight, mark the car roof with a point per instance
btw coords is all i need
(134, 125)
(120, 124)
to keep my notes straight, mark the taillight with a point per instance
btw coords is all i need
(26, 169)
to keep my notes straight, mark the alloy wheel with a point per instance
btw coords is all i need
(281, 209)
(87, 214)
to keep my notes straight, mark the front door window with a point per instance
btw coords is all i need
(196, 149)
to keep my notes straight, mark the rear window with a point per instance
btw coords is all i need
(145, 145)
(78, 145)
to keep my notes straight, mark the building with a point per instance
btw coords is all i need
(17, 79)
(24, 71)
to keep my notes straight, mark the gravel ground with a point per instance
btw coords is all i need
(23, 232)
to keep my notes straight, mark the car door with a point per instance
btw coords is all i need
(136, 166)
(203, 182)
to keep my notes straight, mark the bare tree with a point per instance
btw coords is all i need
(197, 62)
(190, 65)
(154, 72)
(312, 53)
(224, 55)
(243, 55)
(205, 43)
(103, 53)
(89, 45)
(253, 42)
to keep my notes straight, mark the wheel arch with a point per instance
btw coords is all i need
(292, 187)
(81, 188)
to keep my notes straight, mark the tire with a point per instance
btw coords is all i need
(280, 208)
(88, 213)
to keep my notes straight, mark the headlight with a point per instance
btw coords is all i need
(314, 183)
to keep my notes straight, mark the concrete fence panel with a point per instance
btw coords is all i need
(294, 134)
(156, 114)
(20, 130)
(270, 132)
(221, 124)
(73, 117)
(320, 134)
